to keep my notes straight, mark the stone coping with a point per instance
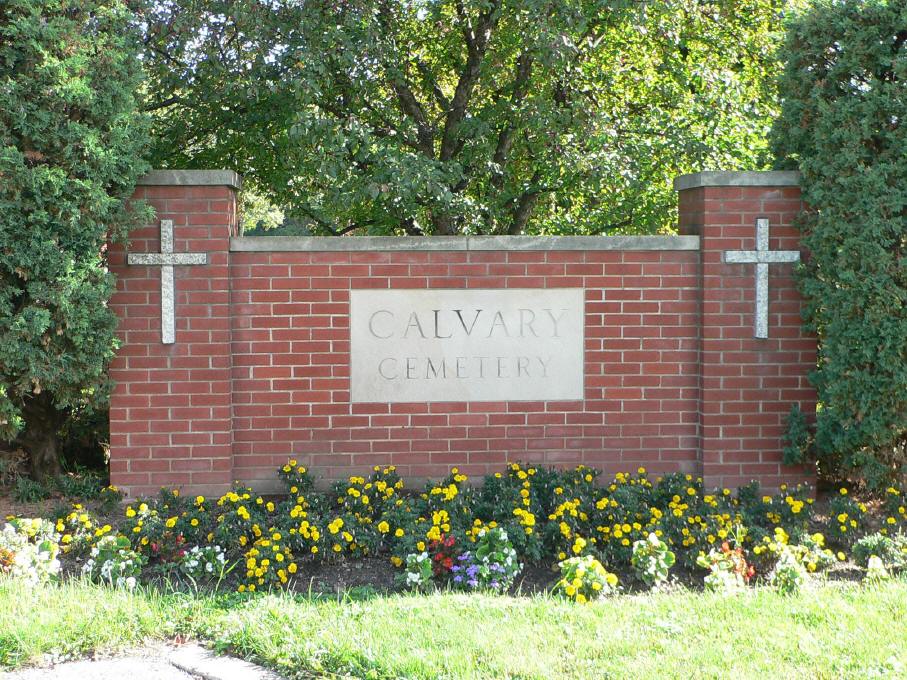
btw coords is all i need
(261, 244)
(233, 180)
(191, 178)
(772, 178)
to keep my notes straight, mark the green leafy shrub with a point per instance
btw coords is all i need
(205, 563)
(83, 484)
(844, 92)
(788, 575)
(112, 561)
(417, 572)
(110, 497)
(892, 550)
(71, 147)
(27, 490)
(651, 560)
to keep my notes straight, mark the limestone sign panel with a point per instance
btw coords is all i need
(466, 345)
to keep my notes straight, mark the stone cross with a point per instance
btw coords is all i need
(166, 260)
(762, 257)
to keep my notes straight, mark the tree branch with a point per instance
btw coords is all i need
(170, 101)
(477, 38)
(405, 97)
(428, 78)
(523, 71)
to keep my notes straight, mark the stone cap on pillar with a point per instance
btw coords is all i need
(191, 178)
(719, 178)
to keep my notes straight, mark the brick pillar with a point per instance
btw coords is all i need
(171, 408)
(748, 384)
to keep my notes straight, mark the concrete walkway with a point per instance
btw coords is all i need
(188, 662)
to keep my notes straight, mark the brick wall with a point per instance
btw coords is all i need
(748, 384)
(171, 409)
(291, 366)
(259, 371)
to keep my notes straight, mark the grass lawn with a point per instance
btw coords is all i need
(836, 630)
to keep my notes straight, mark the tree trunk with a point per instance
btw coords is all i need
(42, 423)
(444, 225)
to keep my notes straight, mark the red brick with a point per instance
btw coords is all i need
(277, 355)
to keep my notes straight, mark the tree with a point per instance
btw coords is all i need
(843, 124)
(71, 144)
(463, 116)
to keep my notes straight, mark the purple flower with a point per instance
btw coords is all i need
(473, 583)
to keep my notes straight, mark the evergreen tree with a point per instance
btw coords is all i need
(71, 148)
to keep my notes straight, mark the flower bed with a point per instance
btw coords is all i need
(479, 537)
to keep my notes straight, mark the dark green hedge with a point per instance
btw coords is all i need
(844, 123)
(71, 147)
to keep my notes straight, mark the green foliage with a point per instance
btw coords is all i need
(114, 563)
(847, 518)
(798, 437)
(417, 572)
(71, 147)
(496, 560)
(473, 116)
(845, 102)
(84, 484)
(892, 550)
(651, 560)
(789, 576)
(27, 490)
